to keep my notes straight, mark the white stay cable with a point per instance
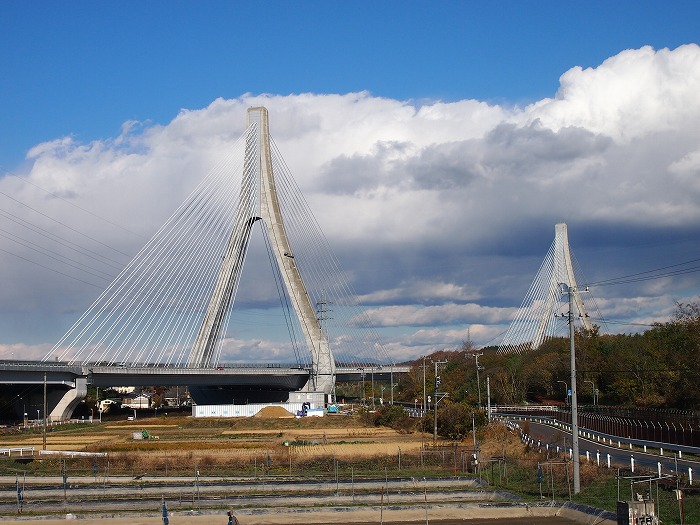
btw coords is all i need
(152, 312)
(155, 267)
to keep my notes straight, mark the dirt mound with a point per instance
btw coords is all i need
(273, 412)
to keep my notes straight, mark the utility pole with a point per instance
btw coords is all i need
(435, 392)
(43, 434)
(488, 398)
(571, 291)
(478, 382)
(425, 394)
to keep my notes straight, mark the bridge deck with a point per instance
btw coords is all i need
(248, 375)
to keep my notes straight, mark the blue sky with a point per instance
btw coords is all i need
(83, 68)
(462, 128)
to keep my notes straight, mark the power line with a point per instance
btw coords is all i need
(70, 203)
(623, 322)
(63, 224)
(643, 276)
(62, 241)
(54, 255)
(632, 370)
(49, 268)
(35, 229)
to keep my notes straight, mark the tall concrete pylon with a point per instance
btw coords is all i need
(563, 273)
(535, 320)
(258, 201)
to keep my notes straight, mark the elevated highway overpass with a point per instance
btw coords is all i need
(66, 384)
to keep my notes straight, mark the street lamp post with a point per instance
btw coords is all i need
(594, 390)
(362, 374)
(392, 383)
(43, 430)
(566, 391)
(372, 371)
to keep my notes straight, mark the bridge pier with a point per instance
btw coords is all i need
(321, 383)
(23, 384)
(63, 406)
(26, 399)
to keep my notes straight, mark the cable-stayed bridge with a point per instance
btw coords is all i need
(165, 317)
(540, 315)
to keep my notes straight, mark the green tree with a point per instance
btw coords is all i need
(455, 420)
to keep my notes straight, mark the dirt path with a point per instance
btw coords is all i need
(436, 516)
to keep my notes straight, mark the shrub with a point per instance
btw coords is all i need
(394, 416)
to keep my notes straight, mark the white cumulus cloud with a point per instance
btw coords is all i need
(440, 211)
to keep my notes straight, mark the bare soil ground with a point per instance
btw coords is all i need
(444, 514)
(329, 519)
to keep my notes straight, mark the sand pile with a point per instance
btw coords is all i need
(273, 412)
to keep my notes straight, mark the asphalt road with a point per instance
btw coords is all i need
(619, 456)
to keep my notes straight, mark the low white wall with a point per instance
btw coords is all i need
(241, 410)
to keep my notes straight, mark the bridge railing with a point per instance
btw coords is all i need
(182, 366)
(670, 427)
(17, 451)
(33, 365)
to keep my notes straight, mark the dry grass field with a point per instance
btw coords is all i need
(262, 449)
(234, 445)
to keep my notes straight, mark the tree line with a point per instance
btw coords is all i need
(657, 368)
